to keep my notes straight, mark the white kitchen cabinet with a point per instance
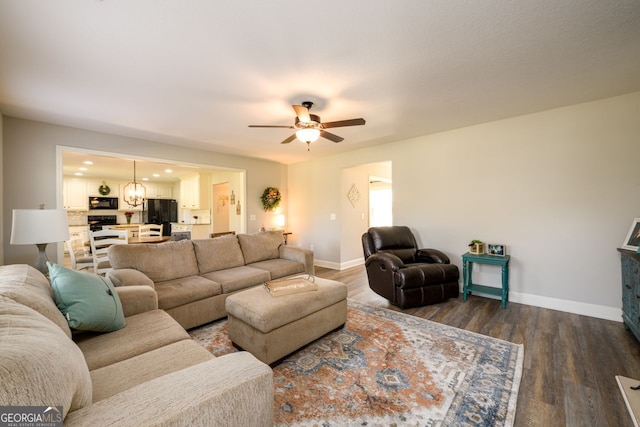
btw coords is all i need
(190, 192)
(164, 191)
(157, 190)
(75, 196)
(94, 188)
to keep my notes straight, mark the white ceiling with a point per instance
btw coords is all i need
(106, 167)
(197, 72)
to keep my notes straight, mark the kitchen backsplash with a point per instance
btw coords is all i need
(75, 218)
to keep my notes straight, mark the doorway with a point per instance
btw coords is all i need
(380, 202)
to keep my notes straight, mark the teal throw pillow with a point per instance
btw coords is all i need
(89, 302)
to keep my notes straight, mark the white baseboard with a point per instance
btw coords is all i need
(575, 307)
(338, 265)
(568, 306)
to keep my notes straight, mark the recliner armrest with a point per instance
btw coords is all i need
(432, 256)
(385, 259)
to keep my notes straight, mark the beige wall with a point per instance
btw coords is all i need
(2, 186)
(559, 188)
(29, 170)
(354, 220)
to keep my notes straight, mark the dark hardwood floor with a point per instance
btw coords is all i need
(570, 360)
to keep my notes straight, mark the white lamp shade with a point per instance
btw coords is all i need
(308, 135)
(35, 226)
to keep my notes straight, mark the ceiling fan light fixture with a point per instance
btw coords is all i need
(308, 135)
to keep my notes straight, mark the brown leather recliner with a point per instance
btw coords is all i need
(402, 273)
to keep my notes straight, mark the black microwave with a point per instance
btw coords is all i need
(103, 203)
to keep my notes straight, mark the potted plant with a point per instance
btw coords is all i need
(476, 247)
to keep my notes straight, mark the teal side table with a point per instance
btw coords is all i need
(468, 285)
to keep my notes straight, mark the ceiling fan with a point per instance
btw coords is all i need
(309, 126)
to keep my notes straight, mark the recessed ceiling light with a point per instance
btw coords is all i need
(88, 162)
(145, 179)
(168, 171)
(83, 169)
(78, 174)
(156, 175)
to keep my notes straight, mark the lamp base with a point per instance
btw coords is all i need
(41, 262)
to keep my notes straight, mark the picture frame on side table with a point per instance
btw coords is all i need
(496, 249)
(632, 242)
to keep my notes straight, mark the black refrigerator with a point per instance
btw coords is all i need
(162, 211)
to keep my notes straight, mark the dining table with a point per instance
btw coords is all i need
(161, 239)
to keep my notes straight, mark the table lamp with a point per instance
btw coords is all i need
(39, 227)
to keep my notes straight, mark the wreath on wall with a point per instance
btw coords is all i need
(270, 198)
(104, 189)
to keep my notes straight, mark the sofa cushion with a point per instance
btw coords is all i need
(88, 301)
(279, 267)
(260, 246)
(217, 254)
(160, 262)
(174, 293)
(26, 285)
(235, 279)
(39, 365)
(144, 332)
(123, 375)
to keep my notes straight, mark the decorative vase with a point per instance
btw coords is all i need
(128, 220)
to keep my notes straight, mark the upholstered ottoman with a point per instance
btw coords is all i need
(271, 327)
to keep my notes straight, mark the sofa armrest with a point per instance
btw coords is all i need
(137, 299)
(432, 256)
(232, 390)
(129, 277)
(304, 256)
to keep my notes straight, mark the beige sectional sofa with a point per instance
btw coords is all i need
(193, 278)
(147, 373)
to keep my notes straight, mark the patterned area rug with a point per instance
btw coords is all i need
(389, 368)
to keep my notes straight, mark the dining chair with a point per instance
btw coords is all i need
(79, 254)
(100, 242)
(150, 232)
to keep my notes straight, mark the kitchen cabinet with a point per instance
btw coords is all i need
(75, 196)
(157, 190)
(190, 192)
(94, 188)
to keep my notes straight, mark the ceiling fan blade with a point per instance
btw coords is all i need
(302, 112)
(270, 126)
(341, 123)
(330, 136)
(288, 140)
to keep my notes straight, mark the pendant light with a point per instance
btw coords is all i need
(134, 193)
